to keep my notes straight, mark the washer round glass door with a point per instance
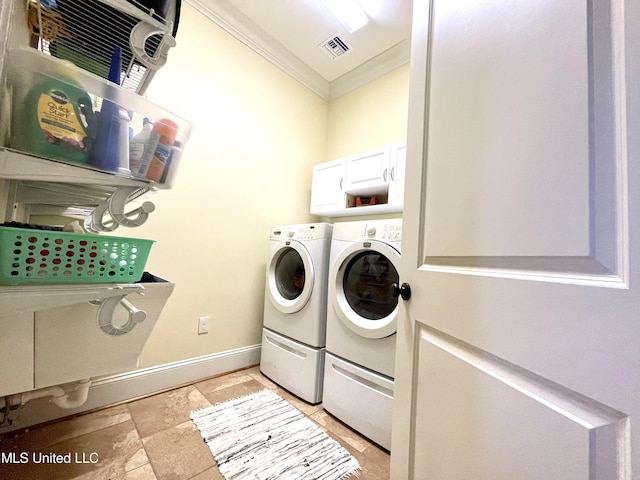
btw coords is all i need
(360, 288)
(290, 277)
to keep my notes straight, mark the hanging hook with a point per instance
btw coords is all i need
(134, 218)
(138, 38)
(106, 310)
(95, 222)
(114, 206)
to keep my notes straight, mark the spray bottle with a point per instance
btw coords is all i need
(158, 150)
(137, 146)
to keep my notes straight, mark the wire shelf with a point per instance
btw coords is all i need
(86, 32)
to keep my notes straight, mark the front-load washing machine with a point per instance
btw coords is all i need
(295, 308)
(361, 325)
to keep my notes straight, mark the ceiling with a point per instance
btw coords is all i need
(290, 34)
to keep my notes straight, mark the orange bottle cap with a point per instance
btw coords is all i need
(166, 128)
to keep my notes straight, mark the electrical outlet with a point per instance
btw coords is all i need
(203, 325)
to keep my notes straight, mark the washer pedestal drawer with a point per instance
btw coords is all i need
(293, 365)
(360, 398)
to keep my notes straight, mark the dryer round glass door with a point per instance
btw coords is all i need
(361, 291)
(290, 277)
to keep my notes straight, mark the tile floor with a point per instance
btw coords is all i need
(153, 438)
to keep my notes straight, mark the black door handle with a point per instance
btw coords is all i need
(403, 291)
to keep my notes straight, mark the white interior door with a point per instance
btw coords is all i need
(518, 354)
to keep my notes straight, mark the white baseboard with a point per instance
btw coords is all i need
(128, 386)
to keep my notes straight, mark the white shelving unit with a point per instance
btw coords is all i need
(31, 185)
(34, 185)
(23, 186)
(16, 165)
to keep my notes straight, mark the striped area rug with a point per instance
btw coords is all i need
(261, 436)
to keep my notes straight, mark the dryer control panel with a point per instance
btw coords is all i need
(307, 231)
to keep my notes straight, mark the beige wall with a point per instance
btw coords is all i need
(257, 133)
(247, 166)
(370, 116)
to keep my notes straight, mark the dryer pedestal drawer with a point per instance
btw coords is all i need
(360, 398)
(293, 365)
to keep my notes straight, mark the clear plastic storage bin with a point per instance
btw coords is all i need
(63, 113)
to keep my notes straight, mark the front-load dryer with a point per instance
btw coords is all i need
(361, 325)
(294, 333)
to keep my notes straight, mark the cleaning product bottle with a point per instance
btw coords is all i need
(106, 146)
(171, 168)
(105, 153)
(137, 145)
(158, 149)
(57, 121)
(123, 155)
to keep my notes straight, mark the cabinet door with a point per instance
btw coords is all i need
(326, 190)
(70, 345)
(367, 173)
(397, 173)
(16, 350)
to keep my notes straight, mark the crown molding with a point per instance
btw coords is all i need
(243, 29)
(379, 65)
(236, 24)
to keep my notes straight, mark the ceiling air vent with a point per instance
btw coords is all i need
(335, 47)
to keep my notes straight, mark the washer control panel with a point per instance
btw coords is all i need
(392, 232)
(382, 230)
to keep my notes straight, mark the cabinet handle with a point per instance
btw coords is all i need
(341, 183)
(384, 175)
(392, 170)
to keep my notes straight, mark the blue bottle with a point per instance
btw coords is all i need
(105, 152)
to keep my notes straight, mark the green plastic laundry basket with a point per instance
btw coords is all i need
(30, 256)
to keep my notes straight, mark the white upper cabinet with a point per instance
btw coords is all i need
(365, 183)
(367, 173)
(397, 173)
(327, 194)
